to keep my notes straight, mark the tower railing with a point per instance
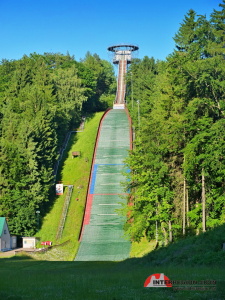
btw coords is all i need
(122, 57)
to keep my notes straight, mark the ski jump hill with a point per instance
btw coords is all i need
(102, 236)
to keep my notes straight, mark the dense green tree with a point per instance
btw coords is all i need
(177, 165)
(41, 98)
(186, 34)
(101, 82)
(218, 29)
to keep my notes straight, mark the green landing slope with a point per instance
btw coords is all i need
(103, 236)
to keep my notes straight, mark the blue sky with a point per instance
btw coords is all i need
(28, 26)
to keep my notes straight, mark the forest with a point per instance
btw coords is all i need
(178, 111)
(42, 97)
(177, 106)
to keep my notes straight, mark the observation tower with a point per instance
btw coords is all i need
(122, 57)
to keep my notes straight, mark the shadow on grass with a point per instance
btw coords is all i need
(195, 258)
(18, 257)
(204, 249)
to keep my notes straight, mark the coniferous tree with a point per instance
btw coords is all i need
(177, 163)
(41, 98)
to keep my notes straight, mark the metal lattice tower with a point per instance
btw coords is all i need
(122, 57)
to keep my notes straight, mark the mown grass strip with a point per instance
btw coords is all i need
(73, 171)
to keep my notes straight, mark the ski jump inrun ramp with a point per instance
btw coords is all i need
(102, 236)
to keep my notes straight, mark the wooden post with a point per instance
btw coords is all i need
(187, 199)
(164, 233)
(170, 232)
(184, 206)
(203, 201)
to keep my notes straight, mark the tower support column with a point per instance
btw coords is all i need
(122, 57)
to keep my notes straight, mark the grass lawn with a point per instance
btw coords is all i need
(142, 248)
(23, 278)
(73, 171)
(195, 259)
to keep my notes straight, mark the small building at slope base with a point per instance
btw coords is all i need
(5, 238)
